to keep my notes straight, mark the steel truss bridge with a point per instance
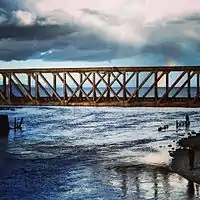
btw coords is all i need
(164, 86)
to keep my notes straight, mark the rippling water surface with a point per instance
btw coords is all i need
(92, 153)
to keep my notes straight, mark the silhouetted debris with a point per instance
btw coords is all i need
(163, 128)
(193, 132)
(185, 123)
(18, 124)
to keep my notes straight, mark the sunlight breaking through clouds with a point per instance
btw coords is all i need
(96, 31)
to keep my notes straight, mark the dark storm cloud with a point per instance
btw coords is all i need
(111, 51)
(76, 46)
(10, 5)
(39, 32)
(188, 19)
(72, 41)
(68, 41)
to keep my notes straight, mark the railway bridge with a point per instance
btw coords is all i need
(164, 86)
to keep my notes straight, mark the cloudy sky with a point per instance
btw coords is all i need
(99, 32)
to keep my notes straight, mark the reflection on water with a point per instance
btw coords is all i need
(153, 182)
(3, 153)
(191, 190)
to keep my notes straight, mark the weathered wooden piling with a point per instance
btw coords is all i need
(4, 126)
(18, 125)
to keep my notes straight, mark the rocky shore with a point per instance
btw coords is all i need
(180, 162)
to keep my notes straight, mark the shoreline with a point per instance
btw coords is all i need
(180, 161)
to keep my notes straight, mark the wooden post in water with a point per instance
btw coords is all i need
(20, 123)
(4, 126)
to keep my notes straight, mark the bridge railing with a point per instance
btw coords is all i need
(108, 86)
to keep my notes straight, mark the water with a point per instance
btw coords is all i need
(92, 153)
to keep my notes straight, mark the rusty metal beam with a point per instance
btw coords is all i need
(64, 86)
(54, 84)
(198, 92)
(29, 83)
(140, 86)
(188, 83)
(183, 85)
(198, 84)
(2, 95)
(55, 93)
(108, 87)
(172, 86)
(79, 88)
(15, 85)
(96, 85)
(64, 81)
(9, 87)
(137, 83)
(38, 84)
(104, 69)
(37, 94)
(22, 86)
(124, 85)
(3, 90)
(93, 87)
(167, 83)
(4, 86)
(154, 85)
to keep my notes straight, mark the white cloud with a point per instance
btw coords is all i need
(24, 17)
(151, 10)
(156, 10)
(132, 17)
